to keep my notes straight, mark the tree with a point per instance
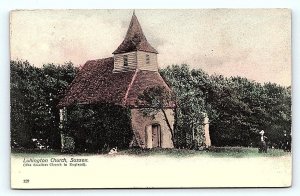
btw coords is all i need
(35, 93)
(156, 99)
(190, 104)
(57, 80)
(24, 93)
(238, 108)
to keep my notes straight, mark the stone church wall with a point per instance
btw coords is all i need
(140, 122)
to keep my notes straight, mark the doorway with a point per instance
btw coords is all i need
(153, 136)
(156, 136)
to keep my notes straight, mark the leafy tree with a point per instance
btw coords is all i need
(238, 108)
(190, 105)
(35, 93)
(25, 92)
(57, 79)
(98, 128)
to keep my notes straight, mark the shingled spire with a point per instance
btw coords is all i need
(135, 39)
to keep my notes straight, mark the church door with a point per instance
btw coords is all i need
(156, 136)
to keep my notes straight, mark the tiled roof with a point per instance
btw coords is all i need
(143, 80)
(97, 83)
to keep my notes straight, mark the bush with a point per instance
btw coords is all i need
(97, 128)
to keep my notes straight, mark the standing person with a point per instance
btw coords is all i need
(286, 142)
(263, 145)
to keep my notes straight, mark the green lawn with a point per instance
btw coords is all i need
(237, 152)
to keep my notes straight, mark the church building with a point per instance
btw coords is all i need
(120, 80)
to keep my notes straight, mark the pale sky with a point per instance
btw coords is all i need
(252, 43)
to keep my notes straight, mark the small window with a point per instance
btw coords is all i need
(147, 59)
(125, 60)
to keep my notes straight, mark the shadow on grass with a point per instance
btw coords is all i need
(30, 152)
(225, 152)
(236, 152)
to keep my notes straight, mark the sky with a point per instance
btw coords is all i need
(252, 43)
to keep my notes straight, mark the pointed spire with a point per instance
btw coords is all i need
(135, 39)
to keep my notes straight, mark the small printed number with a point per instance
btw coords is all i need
(26, 181)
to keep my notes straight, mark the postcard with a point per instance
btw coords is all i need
(150, 98)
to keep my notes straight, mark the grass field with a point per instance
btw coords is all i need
(236, 152)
